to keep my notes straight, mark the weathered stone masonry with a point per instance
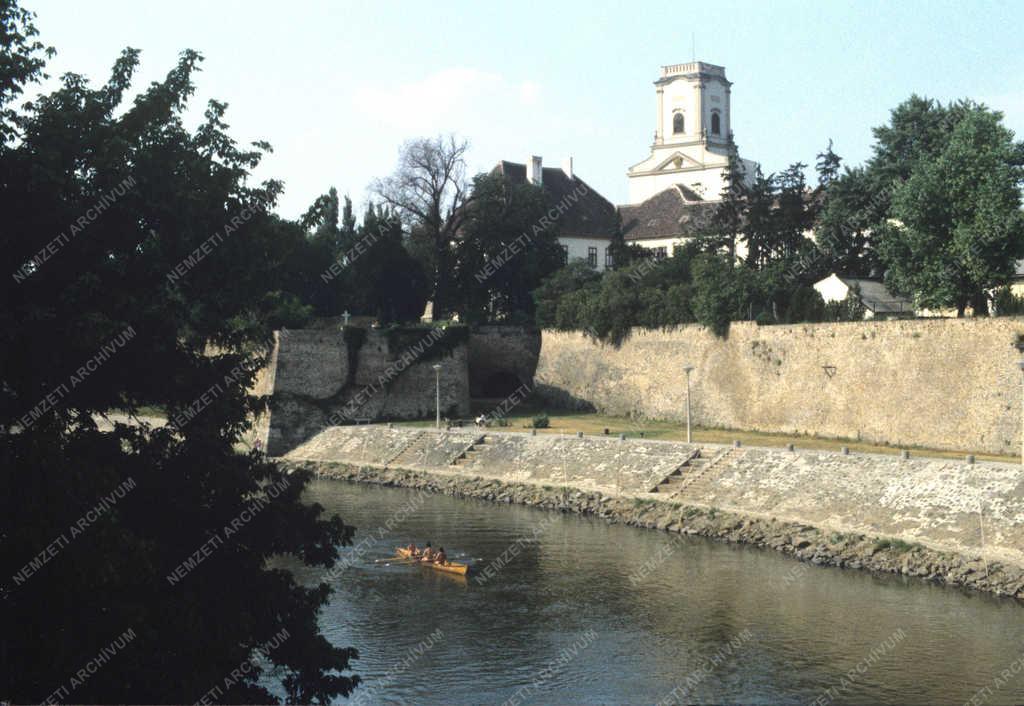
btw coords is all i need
(918, 517)
(937, 383)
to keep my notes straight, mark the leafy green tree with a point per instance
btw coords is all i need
(793, 216)
(850, 214)
(717, 292)
(547, 298)
(958, 227)
(154, 299)
(760, 224)
(828, 166)
(726, 223)
(805, 305)
(374, 265)
(503, 252)
(625, 254)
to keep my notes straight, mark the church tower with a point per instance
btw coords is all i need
(691, 135)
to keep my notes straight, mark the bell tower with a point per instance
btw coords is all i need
(692, 131)
(693, 104)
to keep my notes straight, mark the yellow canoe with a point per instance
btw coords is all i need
(450, 566)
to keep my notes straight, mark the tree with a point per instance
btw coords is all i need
(793, 217)
(726, 224)
(547, 297)
(827, 166)
(430, 192)
(843, 230)
(23, 62)
(373, 264)
(759, 221)
(503, 253)
(715, 292)
(958, 228)
(624, 254)
(154, 298)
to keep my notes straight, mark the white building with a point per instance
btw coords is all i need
(875, 296)
(586, 221)
(673, 192)
(691, 134)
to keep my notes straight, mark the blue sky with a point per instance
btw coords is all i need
(336, 87)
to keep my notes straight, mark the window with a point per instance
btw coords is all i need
(565, 254)
(660, 253)
(716, 123)
(592, 257)
(678, 125)
(608, 259)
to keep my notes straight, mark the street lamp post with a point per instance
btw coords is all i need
(437, 394)
(1020, 364)
(688, 369)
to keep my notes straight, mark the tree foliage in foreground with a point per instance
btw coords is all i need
(189, 343)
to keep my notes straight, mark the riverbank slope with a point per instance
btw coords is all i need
(941, 520)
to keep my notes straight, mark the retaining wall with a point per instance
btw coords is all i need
(937, 383)
(969, 509)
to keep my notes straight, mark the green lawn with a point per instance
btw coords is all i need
(595, 424)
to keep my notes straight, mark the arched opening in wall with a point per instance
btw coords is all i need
(500, 385)
(678, 124)
(716, 124)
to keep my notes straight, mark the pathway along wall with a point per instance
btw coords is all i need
(938, 383)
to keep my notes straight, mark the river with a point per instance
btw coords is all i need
(569, 609)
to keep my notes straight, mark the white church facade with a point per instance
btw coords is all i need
(691, 134)
(673, 192)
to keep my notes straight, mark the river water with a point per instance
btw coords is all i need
(569, 609)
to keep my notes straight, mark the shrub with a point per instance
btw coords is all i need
(541, 421)
(1006, 303)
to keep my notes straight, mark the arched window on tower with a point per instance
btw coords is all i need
(677, 124)
(716, 123)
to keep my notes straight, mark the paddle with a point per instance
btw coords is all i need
(397, 560)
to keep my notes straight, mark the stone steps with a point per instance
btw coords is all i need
(703, 477)
(410, 454)
(678, 478)
(467, 455)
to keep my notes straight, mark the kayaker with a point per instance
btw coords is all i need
(441, 557)
(428, 553)
(413, 549)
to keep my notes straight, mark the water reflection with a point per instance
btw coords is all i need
(671, 617)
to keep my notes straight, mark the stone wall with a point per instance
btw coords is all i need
(938, 383)
(320, 377)
(502, 357)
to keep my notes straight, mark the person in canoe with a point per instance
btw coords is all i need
(428, 553)
(440, 557)
(412, 549)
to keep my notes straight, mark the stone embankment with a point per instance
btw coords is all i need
(801, 541)
(939, 520)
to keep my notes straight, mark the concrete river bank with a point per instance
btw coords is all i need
(566, 608)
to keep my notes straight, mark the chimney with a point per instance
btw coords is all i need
(534, 171)
(567, 166)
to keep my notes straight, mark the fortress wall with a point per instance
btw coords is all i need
(938, 383)
(309, 380)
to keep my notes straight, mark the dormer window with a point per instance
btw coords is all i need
(677, 124)
(716, 123)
